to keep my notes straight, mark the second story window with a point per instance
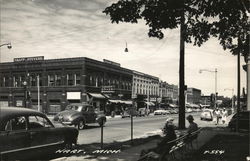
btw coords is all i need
(78, 79)
(58, 80)
(70, 79)
(51, 80)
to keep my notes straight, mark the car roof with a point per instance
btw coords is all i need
(9, 112)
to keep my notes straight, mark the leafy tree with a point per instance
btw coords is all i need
(198, 20)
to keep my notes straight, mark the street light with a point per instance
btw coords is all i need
(231, 89)
(9, 46)
(212, 71)
(126, 49)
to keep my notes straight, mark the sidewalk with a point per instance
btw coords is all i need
(132, 153)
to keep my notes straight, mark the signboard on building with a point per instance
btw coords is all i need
(29, 59)
(73, 95)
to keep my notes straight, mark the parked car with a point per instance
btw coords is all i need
(26, 133)
(188, 110)
(80, 115)
(127, 113)
(207, 114)
(142, 112)
(173, 111)
(160, 112)
(243, 121)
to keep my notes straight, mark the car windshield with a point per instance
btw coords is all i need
(74, 107)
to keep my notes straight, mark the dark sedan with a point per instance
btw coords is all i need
(25, 134)
(243, 121)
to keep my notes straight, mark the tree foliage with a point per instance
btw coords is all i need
(225, 19)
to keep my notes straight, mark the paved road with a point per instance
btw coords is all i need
(118, 129)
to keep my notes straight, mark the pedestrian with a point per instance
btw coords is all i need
(192, 125)
(191, 128)
(224, 115)
(217, 114)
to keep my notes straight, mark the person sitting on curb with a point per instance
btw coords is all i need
(163, 146)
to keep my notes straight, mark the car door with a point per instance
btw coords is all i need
(91, 114)
(42, 133)
(244, 120)
(14, 138)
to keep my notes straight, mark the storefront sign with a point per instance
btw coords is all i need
(28, 59)
(73, 95)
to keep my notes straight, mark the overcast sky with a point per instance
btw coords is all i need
(78, 28)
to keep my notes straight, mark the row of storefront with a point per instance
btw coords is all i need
(50, 85)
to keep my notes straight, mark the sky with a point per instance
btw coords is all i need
(78, 28)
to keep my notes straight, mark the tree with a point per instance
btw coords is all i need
(197, 21)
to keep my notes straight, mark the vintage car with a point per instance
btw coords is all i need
(207, 114)
(161, 112)
(80, 115)
(26, 134)
(243, 121)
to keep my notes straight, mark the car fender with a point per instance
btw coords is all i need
(98, 119)
(78, 118)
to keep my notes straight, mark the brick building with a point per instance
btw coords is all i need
(58, 82)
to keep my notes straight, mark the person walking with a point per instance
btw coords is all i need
(224, 116)
(217, 114)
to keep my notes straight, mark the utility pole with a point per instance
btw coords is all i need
(38, 94)
(182, 72)
(238, 86)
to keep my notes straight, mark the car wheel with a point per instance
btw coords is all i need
(81, 125)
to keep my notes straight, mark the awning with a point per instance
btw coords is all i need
(173, 105)
(150, 103)
(121, 101)
(127, 102)
(97, 95)
(114, 101)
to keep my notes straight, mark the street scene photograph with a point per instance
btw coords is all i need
(124, 80)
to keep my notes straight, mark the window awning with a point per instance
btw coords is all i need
(114, 101)
(97, 95)
(127, 102)
(121, 101)
(150, 103)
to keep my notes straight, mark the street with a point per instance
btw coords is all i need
(119, 129)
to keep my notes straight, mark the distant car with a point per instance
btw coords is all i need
(26, 133)
(80, 115)
(127, 113)
(207, 114)
(188, 110)
(243, 121)
(160, 112)
(173, 111)
(142, 112)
